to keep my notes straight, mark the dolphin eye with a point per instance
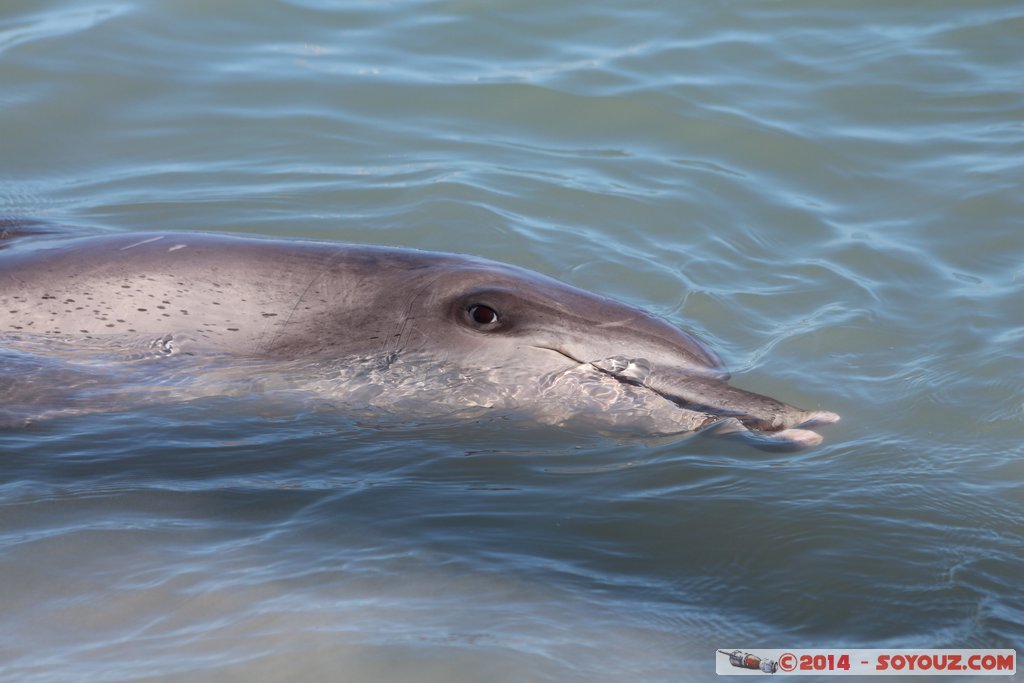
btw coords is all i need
(482, 315)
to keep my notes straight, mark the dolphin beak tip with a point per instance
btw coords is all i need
(798, 439)
(819, 417)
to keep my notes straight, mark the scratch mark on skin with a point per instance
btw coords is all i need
(176, 247)
(616, 323)
(152, 239)
(287, 320)
(397, 338)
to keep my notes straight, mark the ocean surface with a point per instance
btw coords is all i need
(831, 194)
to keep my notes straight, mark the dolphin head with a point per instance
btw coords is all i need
(485, 316)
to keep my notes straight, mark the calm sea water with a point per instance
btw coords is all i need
(829, 193)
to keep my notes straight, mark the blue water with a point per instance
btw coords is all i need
(829, 194)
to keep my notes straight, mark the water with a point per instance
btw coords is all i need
(830, 195)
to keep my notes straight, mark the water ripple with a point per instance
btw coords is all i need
(829, 195)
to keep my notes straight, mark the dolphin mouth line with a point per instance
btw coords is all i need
(711, 417)
(775, 431)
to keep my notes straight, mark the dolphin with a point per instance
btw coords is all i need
(543, 345)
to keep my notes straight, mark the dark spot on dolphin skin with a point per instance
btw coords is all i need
(270, 315)
(184, 312)
(142, 310)
(232, 329)
(126, 286)
(162, 307)
(110, 324)
(48, 296)
(84, 331)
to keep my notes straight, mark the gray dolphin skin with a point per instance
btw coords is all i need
(542, 345)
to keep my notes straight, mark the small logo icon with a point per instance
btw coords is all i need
(745, 660)
(787, 661)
